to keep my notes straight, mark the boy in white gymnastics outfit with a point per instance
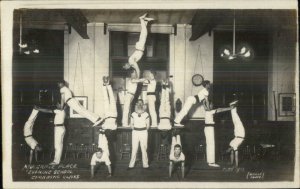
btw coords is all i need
(176, 155)
(131, 90)
(191, 100)
(139, 46)
(209, 132)
(100, 157)
(110, 115)
(67, 99)
(140, 124)
(59, 131)
(27, 131)
(239, 135)
(151, 97)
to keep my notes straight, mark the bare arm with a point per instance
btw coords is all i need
(223, 109)
(138, 80)
(182, 169)
(131, 122)
(109, 170)
(135, 66)
(30, 156)
(147, 123)
(170, 168)
(92, 171)
(206, 104)
(43, 110)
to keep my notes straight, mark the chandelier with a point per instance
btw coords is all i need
(243, 51)
(25, 48)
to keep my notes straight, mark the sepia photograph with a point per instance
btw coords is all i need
(150, 94)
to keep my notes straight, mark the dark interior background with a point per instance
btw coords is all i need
(247, 78)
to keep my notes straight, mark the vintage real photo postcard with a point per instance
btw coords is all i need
(150, 94)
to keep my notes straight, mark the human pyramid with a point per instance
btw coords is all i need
(139, 120)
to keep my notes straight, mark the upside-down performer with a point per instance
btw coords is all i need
(27, 131)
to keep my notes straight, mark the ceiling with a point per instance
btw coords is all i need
(202, 21)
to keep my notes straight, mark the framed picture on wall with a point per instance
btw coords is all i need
(287, 104)
(83, 100)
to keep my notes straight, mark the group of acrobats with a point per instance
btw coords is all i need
(139, 120)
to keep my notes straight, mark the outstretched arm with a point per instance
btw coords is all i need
(43, 109)
(219, 110)
(138, 80)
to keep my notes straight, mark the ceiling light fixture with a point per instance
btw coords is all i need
(245, 51)
(23, 46)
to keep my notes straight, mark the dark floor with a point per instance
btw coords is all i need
(262, 170)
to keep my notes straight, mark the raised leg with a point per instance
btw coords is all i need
(74, 104)
(190, 101)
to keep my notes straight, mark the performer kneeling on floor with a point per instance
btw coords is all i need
(59, 131)
(100, 157)
(67, 99)
(27, 131)
(191, 100)
(239, 135)
(177, 158)
(140, 124)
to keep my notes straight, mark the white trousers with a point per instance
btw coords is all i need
(75, 105)
(165, 110)
(139, 137)
(140, 45)
(28, 127)
(239, 130)
(190, 101)
(31, 142)
(126, 109)
(210, 144)
(151, 105)
(103, 143)
(110, 108)
(59, 133)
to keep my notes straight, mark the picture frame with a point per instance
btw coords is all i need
(83, 100)
(287, 104)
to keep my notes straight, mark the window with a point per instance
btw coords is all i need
(156, 55)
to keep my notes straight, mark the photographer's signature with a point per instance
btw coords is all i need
(255, 175)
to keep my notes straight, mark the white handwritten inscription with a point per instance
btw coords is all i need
(52, 172)
(255, 175)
